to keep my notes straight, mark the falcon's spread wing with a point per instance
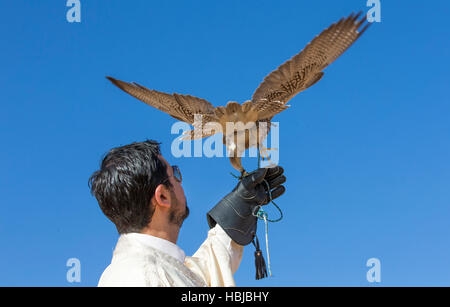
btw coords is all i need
(181, 107)
(305, 68)
(270, 98)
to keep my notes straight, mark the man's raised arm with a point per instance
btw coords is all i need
(233, 224)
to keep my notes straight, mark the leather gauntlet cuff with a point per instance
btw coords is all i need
(236, 219)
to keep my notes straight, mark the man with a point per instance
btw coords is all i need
(142, 195)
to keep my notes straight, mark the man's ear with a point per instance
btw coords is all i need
(162, 196)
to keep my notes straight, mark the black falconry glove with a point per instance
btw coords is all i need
(236, 212)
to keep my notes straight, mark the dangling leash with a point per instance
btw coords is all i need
(260, 264)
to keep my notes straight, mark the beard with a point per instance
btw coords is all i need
(179, 212)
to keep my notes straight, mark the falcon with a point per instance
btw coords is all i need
(294, 76)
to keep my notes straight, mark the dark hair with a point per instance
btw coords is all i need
(126, 182)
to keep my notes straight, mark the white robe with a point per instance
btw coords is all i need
(141, 260)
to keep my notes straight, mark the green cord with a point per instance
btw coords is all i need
(263, 215)
(237, 177)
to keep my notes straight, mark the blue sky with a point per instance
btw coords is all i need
(366, 150)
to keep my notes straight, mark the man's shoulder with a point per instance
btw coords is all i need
(129, 266)
(127, 272)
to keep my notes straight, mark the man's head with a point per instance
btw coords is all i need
(136, 188)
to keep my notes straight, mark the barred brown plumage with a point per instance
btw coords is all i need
(270, 98)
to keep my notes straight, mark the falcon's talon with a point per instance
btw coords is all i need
(243, 174)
